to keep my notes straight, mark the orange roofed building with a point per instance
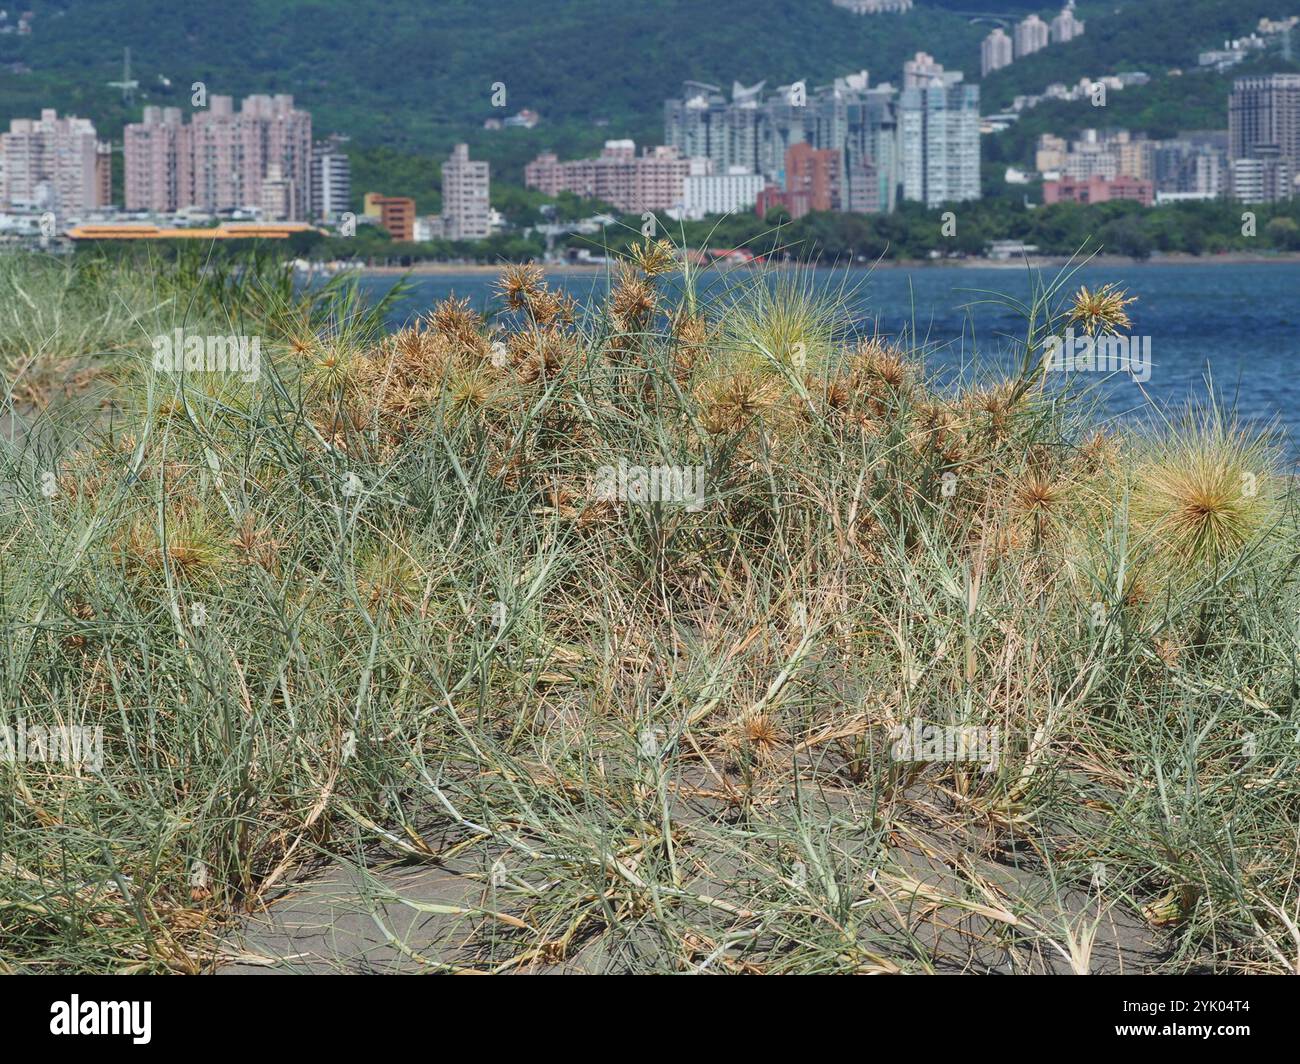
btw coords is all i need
(231, 231)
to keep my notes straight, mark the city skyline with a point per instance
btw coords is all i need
(849, 146)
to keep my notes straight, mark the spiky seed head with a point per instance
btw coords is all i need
(654, 257)
(735, 401)
(633, 300)
(454, 319)
(1101, 311)
(880, 362)
(520, 284)
(1039, 494)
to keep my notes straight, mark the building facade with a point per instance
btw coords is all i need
(1098, 189)
(331, 179)
(1193, 165)
(875, 7)
(1265, 177)
(220, 160)
(52, 163)
(157, 160)
(996, 52)
(466, 187)
(1031, 35)
(396, 214)
(921, 70)
(1264, 129)
(938, 140)
(1065, 27)
(652, 181)
(755, 130)
(706, 193)
(276, 197)
(812, 180)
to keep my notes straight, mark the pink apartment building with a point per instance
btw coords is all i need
(1097, 189)
(52, 163)
(222, 158)
(653, 181)
(157, 168)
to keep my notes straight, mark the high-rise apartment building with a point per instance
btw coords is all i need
(812, 179)
(1031, 35)
(220, 160)
(104, 173)
(157, 156)
(869, 148)
(53, 163)
(703, 124)
(920, 70)
(938, 138)
(277, 195)
(331, 179)
(1264, 129)
(1194, 165)
(996, 52)
(1065, 27)
(755, 129)
(465, 195)
(1134, 156)
(861, 192)
(1265, 177)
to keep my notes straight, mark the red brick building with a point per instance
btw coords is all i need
(812, 179)
(812, 183)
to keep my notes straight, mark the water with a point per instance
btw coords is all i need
(1237, 325)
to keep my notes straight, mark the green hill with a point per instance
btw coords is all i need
(414, 76)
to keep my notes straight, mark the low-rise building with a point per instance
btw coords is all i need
(1098, 189)
(706, 193)
(652, 181)
(395, 213)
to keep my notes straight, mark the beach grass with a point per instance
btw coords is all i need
(699, 631)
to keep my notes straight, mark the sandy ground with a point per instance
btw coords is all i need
(393, 917)
(347, 920)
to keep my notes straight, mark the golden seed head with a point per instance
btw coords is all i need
(1102, 310)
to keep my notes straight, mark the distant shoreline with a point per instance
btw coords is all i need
(1038, 261)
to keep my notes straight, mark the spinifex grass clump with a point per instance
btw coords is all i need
(1206, 491)
(375, 605)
